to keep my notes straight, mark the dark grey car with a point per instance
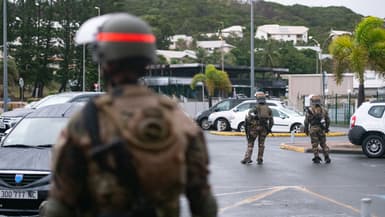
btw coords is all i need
(10, 118)
(25, 158)
(202, 117)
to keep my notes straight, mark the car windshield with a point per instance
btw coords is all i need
(291, 112)
(36, 132)
(50, 100)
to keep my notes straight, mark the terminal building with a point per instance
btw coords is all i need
(175, 79)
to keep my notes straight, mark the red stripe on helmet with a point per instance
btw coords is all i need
(125, 37)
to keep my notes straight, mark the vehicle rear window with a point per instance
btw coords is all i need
(376, 111)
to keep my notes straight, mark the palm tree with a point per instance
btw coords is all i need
(364, 49)
(212, 79)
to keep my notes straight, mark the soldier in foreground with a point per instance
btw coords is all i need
(317, 125)
(130, 152)
(258, 123)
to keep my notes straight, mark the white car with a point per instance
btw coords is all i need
(285, 120)
(221, 120)
(367, 129)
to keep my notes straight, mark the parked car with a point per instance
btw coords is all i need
(285, 120)
(25, 158)
(10, 118)
(202, 117)
(221, 120)
(367, 128)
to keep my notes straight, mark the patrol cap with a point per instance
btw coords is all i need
(315, 100)
(125, 36)
(117, 36)
(260, 96)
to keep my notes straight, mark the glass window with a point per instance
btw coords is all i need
(376, 111)
(223, 106)
(243, 107)
(275, 112)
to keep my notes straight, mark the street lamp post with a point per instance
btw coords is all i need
(84, 67)
(319, 68)
(99, 88)
(251, 48)
(5, 57)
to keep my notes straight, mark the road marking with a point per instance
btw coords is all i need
(253, 198)
(303, 189)
(276, 189)
(241, 192)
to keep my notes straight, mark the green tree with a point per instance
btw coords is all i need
(213, 79)
(364, 49)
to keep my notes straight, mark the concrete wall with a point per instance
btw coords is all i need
(300, 85)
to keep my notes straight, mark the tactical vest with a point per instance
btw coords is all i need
(316, 116)
(156, 133)
(263, 114)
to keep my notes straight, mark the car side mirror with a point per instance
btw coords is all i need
(235, 110)
(216, 110)
(282, 116)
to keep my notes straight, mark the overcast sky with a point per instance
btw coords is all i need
(363, 7)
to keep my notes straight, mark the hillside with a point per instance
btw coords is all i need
(194, 17)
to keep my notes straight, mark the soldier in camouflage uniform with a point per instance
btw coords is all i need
(148, 152)
(258, 123)
(317, 125)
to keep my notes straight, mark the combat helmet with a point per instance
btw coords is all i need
(315, 100)
(124, 36)
(261, 97)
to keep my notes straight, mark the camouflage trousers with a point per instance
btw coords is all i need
(318, 138)
(261, 134)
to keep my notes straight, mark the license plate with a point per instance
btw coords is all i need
(2, 125)
(17, 194)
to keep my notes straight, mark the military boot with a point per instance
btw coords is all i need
(260, 161)
(316, 160)
(327, 159)
(246, 161)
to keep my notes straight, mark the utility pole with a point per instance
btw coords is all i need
(251, 48)
(5, 57)
(99, 88)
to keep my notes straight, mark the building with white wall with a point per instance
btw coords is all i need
(283, 33)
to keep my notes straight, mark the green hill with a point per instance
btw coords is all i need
(199, 16)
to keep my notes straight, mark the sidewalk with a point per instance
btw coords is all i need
(305, 147)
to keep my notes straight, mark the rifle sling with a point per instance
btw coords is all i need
(125, 170)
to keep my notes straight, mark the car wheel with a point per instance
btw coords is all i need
(204, 124)
(297, 128)
(241, 127)
(222, 124)
(373, 146)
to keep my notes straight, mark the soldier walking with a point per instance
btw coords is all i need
(317, 125)
(129, 152)
(258, 123)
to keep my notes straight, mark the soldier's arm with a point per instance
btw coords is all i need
(306, 123)
(327, 119)
(198, 190)
(271, 119)
(68, 178)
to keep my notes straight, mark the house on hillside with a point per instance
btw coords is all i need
(185, 39)
(210, 46)
(283, 33)
(176, 56)
(232, 31)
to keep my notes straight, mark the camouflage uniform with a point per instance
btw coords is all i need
(317, 125)
(148, 152)
(257, 127)
(82, 188)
